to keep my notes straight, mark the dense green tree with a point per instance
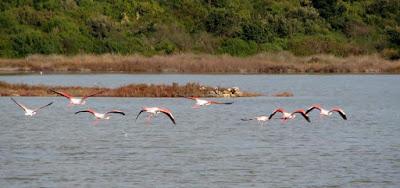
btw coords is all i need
(237, 27)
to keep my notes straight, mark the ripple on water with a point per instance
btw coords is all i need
(209, 147)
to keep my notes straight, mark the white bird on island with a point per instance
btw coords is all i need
(30, 112)
(153, 111)
(98, 115)
(287, 115)
(324, 112)
(261, 119)
(75, 100)
(203, 102)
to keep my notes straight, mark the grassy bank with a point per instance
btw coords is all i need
(132, 90)
(191, 63)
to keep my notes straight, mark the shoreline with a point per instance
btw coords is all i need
(216, 74)
(277, 63)
(23, 73)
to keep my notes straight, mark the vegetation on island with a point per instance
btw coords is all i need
(131, 90)
(237, 27)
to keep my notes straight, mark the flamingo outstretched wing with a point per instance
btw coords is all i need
(313, 108)
(43, 106)
(280, 110)
(66, 95)
(340, 111)
(302, 113)
(192, 98)
(116, 112)
(19, 104)
(141, 111)
(215, 102)
(93, 94)
(86, 111)
(169, 114)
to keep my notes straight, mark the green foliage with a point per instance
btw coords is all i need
(256, 32)
(238, 47)
(278, 44)
(5, 47)
(33, 42)
(394, 35)
(221, 22)
(237, 27)
(322, 44)
(166, 47)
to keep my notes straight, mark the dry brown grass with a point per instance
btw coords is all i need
(283, 94)
(191, 63)
(132, 90)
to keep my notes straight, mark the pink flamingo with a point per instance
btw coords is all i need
(203, 102)
(288, 115)
(75, 100)
(324, 112)
(153, 111)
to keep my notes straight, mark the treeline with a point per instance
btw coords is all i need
(236, 27)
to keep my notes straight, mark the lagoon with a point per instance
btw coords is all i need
(209, 146)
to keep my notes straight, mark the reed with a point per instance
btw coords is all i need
(282, 62)
(132, 90)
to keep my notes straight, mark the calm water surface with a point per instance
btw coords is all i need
(209, 147)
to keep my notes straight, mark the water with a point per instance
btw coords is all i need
(209, 147)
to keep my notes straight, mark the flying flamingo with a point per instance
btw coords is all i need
(261, 119)
(75, 100)
(30, 112)
(100, 116)
(288, 115)
(203, 102)
(153, 111)
(324, 112)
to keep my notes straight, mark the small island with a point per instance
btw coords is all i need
(131, 90)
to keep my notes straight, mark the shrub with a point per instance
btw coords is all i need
(391, 54)
(5, 47)
(33, 42)
(222, 22)
(257, 32)
(238, 47)
(323, 44)
(278, 44)
(166, 46)
(394, 35)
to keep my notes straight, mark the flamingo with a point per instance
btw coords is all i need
(153, 111)
(75, 100)
(324, 112)
(203, 102)
(288, 115)
(260, 119)
(30, 112)
(98, 115)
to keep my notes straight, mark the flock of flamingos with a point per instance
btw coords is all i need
(153, 111)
